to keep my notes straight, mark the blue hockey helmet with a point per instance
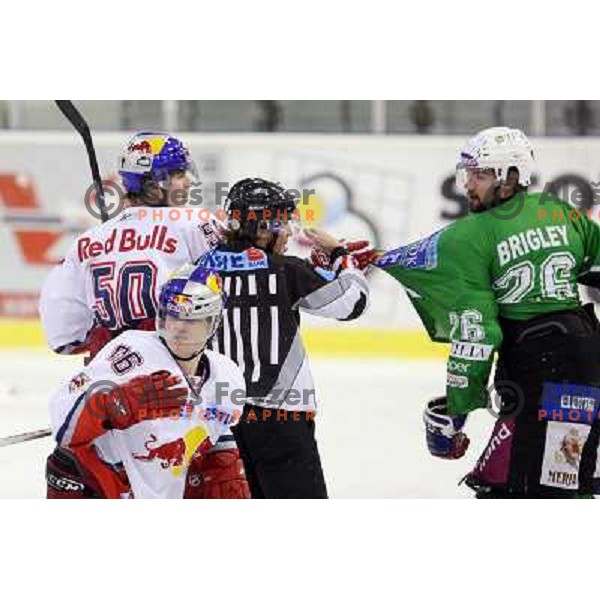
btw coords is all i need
(150, 157)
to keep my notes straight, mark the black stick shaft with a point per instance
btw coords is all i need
(76, 119)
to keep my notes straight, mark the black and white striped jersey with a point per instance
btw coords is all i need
(260, 327)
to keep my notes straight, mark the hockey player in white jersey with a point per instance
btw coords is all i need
(150, 401)
(108, 281)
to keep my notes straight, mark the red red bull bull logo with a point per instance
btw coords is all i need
(176, 454)
(170, 454)
(144, 147)
(149, 145)
(180, 305)
(78, 382)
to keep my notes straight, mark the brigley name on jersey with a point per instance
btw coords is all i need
(523, 243)
(127, 240)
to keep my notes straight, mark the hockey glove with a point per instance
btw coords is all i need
(444, 436)
(143, 398)
(218, 474)
(360, 252)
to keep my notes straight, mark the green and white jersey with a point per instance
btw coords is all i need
(518, 260)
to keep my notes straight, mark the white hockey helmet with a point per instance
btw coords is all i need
(497, 148)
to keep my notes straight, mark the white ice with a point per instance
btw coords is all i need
(369, 426)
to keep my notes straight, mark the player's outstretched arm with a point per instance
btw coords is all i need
(341, 292)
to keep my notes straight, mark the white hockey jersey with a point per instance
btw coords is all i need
(112, 274)
(154, 453)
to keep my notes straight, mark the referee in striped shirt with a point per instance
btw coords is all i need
(266, 291)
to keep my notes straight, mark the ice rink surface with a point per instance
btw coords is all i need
(369, 426)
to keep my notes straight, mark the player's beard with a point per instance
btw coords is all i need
(475, 204)
(154, 196)
(493, 197)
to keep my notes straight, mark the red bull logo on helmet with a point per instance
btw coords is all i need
(148, 145)
(143, 147)
(180, 305)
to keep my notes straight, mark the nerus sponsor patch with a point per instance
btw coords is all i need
(249, 259)
(419, 255)
(569, 403)
(562, 454)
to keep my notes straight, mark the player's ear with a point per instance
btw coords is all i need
(510, 186)
(263, 238)
(513, 176)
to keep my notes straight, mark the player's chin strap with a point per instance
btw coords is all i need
(181, 358)
(202, 369)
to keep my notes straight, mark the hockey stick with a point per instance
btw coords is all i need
(68, 109)
(76, 119)
(24, 437)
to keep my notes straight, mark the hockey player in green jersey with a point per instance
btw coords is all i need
(502, 282)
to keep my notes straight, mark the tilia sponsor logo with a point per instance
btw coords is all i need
(127, 240)
(471, 351)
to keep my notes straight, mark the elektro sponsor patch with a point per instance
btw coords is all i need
(569, 402)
